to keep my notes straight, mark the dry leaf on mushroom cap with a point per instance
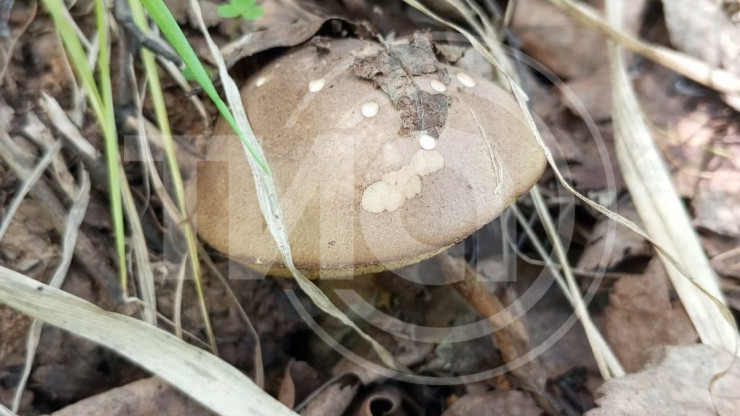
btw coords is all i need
(367, 180)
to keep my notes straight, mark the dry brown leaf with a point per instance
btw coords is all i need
(392, 70)
(499, 402)
(335, 399)
(13, 329)
(555, 40)
(149, 396)
(571, 51)
(610, 244)
(641, 315)
(280, 26)
(717, 200)
(675, 383)
(27, 245)
(727, 261)
(594, 92)
(179, 9)
(548, 315)
(299, 381)
(702, 29)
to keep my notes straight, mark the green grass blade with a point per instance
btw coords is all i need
(108, 124)
(76, 54)
(160, 109)
(102, 106)
(171, 30)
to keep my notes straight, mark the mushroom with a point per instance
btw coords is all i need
(382, 157)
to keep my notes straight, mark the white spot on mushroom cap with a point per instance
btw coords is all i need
(437, 86)
(370, 109)
(427, 142)
(465, 79)
(380, 197)
(316, 85)
(396, 187)
(424, 163)
(260, 82)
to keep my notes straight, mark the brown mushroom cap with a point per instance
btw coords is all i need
(357, 196)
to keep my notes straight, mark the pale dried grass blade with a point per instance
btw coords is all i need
(145, 278)
(144, 275)
(607, 361)
(71, 227)
(269, 203)
(690, 67)
(202, 376)
(661, 209)
(20, 195)
(4, 411)
(608, 364)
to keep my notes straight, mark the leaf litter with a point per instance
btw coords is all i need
(637, 286)
(393, 68)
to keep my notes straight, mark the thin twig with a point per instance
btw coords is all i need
(509, 332)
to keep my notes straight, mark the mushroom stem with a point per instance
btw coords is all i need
(510, 334)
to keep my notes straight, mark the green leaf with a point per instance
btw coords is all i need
(229, 11)
(241, 8)
(244, 4)
(254, 13)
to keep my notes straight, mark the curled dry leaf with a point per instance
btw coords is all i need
(677, 382)
(383, 401)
